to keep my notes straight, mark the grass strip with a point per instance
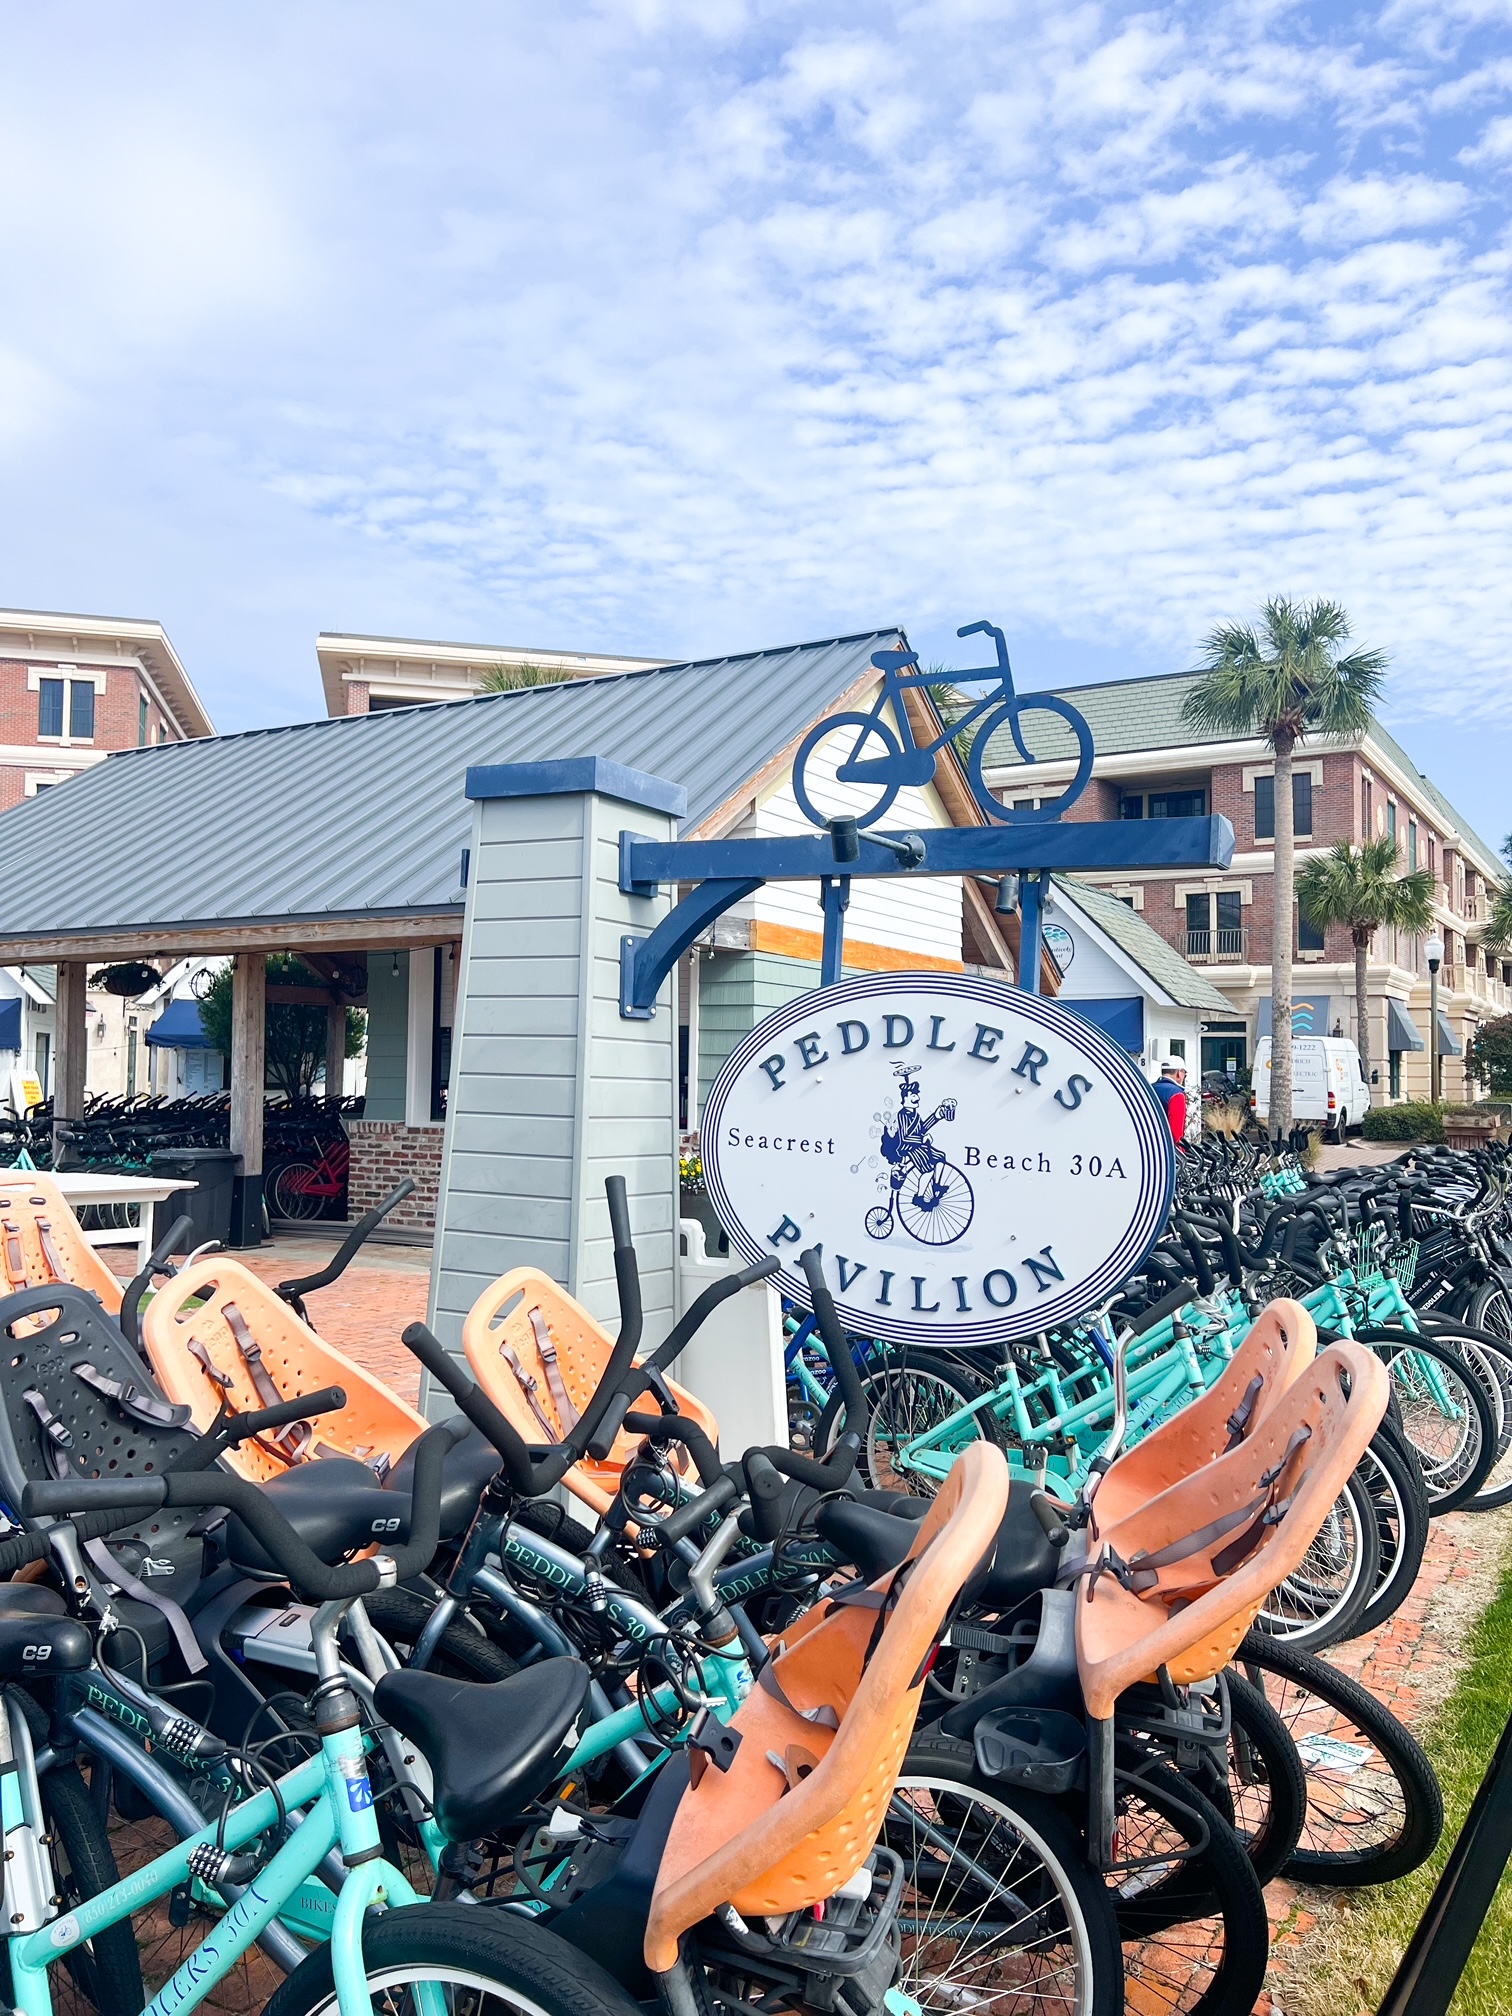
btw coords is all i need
(1461, 1738)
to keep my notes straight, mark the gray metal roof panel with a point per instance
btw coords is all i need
(366, 812)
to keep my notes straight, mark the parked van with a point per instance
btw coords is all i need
(1328, 1086)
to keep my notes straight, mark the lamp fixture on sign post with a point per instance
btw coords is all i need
(1435, 951)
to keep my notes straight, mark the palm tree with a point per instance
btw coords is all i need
(510, 678)
(1362, 888)
(1499, 926)
(1286, 682)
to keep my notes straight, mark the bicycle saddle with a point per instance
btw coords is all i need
(1021, 1561)
(37, 1635)
(335, 1506)
(489, 1744)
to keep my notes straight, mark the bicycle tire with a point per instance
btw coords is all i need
(907, 1391)
(1325, 1602)
(463, 1653)
(1267, 1786)
(105, 1972)
(1491, 1309)
(507, 1966)
(1196, 1940)
(1486, 1350)
(288, 1200)
(1394, 1481)
(868, 724)
(1398, 1805)
(1008, 716)
(1451, 1476)
(1011, 1821)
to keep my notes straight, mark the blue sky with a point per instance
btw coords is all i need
(695, 325)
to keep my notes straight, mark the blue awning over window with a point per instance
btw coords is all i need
(1401, 1031)
(1449, 1044)
(179, 1028)
(10, 1023)
(1121, 1019)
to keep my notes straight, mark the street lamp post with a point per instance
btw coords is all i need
(1435, 950)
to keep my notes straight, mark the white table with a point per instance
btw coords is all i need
(89, 1186)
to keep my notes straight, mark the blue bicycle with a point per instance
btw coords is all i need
(861, 749)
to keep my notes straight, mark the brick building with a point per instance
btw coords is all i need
(1149, 765)
(72, 688)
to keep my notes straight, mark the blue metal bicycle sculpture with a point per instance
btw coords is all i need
(865, 750)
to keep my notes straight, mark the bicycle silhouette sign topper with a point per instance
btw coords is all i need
(861, 749)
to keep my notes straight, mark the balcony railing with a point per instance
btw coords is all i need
(1221, 944)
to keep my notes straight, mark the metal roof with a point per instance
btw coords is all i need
(1145, 946)
(364, 814)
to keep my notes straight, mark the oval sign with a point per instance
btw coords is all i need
(976, 1164)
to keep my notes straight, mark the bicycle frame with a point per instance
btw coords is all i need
(332, 1792)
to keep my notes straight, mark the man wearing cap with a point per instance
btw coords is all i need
(1170, 1090)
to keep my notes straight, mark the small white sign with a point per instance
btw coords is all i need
(975, 1164)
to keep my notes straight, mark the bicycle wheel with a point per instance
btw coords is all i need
(1490, 1358)
(1491, 1309)
(292, 1195)
(463, 1653)
(1390, 1473)
(1322, 1602)
(844, 739)
(936, 1205)
(483, 1963)
(1001, 1914)
(1446, 1413)
(1010, 716)
(1374, 1809)
(103, 1974)
(1190, 1909)
(1267, 1786)
(908, 1393)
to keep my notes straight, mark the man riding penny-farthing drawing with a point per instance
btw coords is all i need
(929, 1195)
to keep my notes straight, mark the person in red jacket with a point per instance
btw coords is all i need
(1170, 1090)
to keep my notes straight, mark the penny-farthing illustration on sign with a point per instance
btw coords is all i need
(974, 1163)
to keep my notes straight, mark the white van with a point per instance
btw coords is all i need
(1328, 1086)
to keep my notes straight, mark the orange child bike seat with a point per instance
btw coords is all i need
(217, 1331)
(1282, 1342)
(41, 1241)
(1187, 1573)
(539, 1357)
(803, 1801)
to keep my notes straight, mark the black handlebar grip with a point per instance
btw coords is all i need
(836, 1343)
(475, 1404)
(677, 1428)
(131, 1301)
(303, 1407)
(95, 1494)
(610, 1422)
(766, 1488)
(358, 1236)
(688, 1518)
(619, 1211)
(1158, 1311)
(759, 1270)
(21, 1549)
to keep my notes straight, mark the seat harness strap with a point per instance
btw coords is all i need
(296, 1436)
(49, 1250)
(15, 1255)
(1239, 1420)
(546, 1345)
(530, 1387)
(144, 1407)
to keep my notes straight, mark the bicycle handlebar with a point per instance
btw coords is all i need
(836, 1345)
(157, 1260)
(677, 1428)
(294, 1292)
(278, 1539)
(229, 1429)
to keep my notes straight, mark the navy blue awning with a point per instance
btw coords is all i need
(179, 1028)
(1449, 1043)
(10, 1023)
(1121, 1019)
(1402, 1032)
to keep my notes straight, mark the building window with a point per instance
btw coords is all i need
(1394, 1075)
(1309, 937)
(1178, 804)
(1367, 822)
(1391, 818)
(81, 709)
(1229, 920)
(1412, 846)
(1199, 943)
(49, 706)
(1131, 808)
(142, 721)
(1302, 802)
(1177, 1046)
(1024, 804)
(1432, 855)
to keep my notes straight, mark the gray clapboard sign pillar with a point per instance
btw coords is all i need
(551, 1091)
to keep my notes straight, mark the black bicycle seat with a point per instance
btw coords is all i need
(335, 1505)
(489, 1744)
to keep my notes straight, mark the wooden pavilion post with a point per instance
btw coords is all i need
(73, 1040)
(249, 993)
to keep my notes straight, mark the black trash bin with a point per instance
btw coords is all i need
(215, 1173)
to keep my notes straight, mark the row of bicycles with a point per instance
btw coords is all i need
(560, 1706)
